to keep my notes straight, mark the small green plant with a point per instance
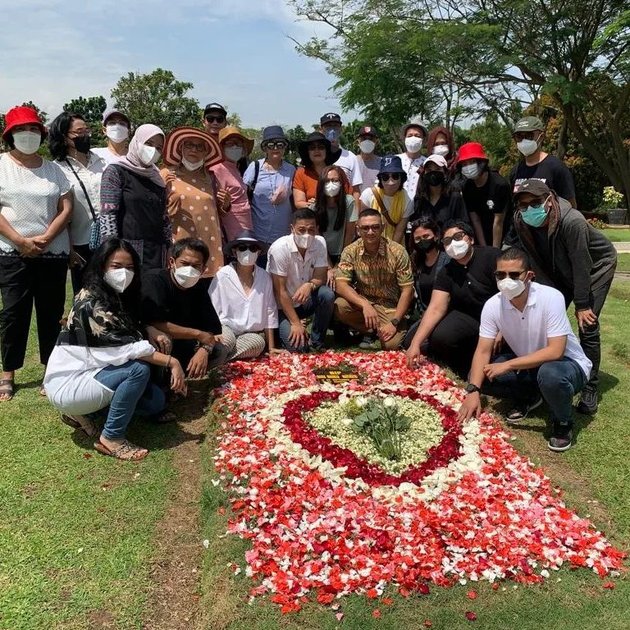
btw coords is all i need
(381, 420)
(611, 198)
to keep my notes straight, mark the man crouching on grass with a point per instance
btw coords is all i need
(546, 361)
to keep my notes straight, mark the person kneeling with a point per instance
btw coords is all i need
(101, 359)
(298, 264)
(174, 302)
(374, 283)
(546, 356)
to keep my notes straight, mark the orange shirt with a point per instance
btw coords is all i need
(306, 181)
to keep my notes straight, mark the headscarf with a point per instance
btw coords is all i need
(132, 162)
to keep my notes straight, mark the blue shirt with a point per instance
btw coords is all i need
(270, 221)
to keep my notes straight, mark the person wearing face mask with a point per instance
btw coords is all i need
(192, 193)
(413, 136)
(315, 154)
(133, 199)
(427, 258)
(176, 303)
(529, 135)
(242, 294)
(101, 363)
(235, 146)
(330, 126)
(369, 162)
(35, 208)
(434, 197)
(440, 142)
(486, 194)
(450, 323)
(69, 142)
(390, 198)
(298, 264)
(116, 126)
(546, 361)
(571, 255)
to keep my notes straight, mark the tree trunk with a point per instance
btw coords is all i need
(563, 139)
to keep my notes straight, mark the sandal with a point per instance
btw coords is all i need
(126, 451)
(6, 389)
(42, 391)
(83, 424)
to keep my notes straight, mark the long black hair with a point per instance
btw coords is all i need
(94, 282)
(321, 200)
(57, 133)
(428, 223)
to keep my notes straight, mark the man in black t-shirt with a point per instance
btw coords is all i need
(536, 164)
(487, 195)
(177, 304)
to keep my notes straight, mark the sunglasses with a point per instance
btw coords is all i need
(370, 228)
(276, 145)
(248, 248)
(195, 146)
(218, 119)
(458, 236)
(514, 275)
(393, 176)
(316, 147)
(520, 207)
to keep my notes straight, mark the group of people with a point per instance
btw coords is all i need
(213, 258)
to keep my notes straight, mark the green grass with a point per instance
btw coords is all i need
(596, 469)
(623, 262)
(618, 235)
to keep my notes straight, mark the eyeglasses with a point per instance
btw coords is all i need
(195, 146)
(514, 275)
(524, 135)
(393, 176)
(458, 236)
(275, 145)
(520, 207)
(248, 248)
(370, 228)
(316, 147)
(218, 119)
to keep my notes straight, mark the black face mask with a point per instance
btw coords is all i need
(435, 178)
(425, 245)
(82, 143)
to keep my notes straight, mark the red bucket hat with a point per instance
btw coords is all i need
(471, 151)
(173, 146)
(21, 115)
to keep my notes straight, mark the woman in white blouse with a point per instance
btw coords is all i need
(35, 207)
(69, 139)
(242, 295)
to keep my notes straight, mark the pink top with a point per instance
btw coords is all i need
(239, 217)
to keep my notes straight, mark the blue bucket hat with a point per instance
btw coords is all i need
(392, 164)
(274, 132)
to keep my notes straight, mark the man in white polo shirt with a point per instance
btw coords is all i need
(547, 361)
(298, 264)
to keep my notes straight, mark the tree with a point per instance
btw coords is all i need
(157, 98)
(91, 109)
(496, 55)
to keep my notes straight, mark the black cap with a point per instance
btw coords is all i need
(331, 117)
(214, 107)
(532, 186)
(367, 131)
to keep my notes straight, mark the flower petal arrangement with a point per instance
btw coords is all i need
(329, 511)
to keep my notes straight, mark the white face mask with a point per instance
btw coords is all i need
(441, 149)
(510, 288)
(247, 258)
(148, 155)
(303, 241)
(27, 142)
(457, 249)
(234, 154)
(118, 279)
(471, 171)
(527, 147)
(367, 146)
(191, 166)
(117, 132)
(186, 277)
(331, 189)
(413, 144)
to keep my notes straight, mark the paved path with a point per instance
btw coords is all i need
(622, 247)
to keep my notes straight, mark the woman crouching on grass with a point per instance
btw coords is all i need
(101, 359)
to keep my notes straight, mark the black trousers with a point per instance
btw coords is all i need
(454, 340)
(24, 282)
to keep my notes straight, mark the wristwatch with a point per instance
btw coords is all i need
(471, 388)
(395, 321)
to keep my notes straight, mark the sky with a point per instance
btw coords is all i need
(235, 52)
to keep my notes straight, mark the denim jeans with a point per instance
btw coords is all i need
(134, 393)
(557, 381)
(320, 305)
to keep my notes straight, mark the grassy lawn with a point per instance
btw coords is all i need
(623, 262)
(618, 235)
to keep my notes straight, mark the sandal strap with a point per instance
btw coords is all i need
(126, 447)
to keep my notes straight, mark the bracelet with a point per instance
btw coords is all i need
(205, 346)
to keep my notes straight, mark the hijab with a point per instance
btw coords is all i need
(132, 162)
